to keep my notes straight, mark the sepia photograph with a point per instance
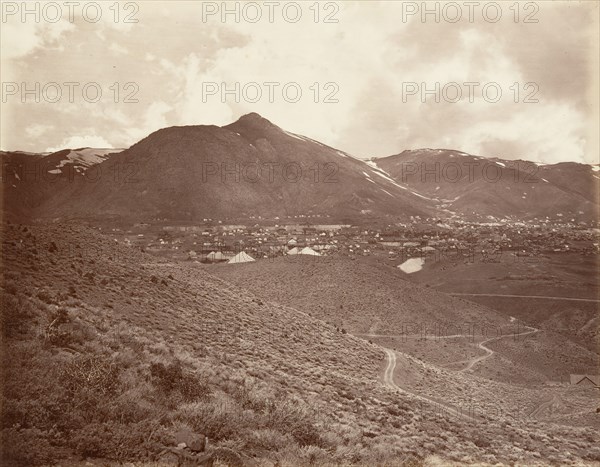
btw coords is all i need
(300, 233)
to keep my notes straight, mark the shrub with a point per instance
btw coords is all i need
(173, 378)
(218, 418)
(26, 447)
(54, 334)
(90, 373)
(293, 417)
(45, 296)
(12, 315)
(269, 439)
(112, 440)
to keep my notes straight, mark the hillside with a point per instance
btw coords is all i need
(358, 296)
(248, 168)
(565, 276)
(107, 353)
(476, 187)
(375, 301)
(440, 337)
(30, 180)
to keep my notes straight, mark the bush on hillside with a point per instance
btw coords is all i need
(169, 378)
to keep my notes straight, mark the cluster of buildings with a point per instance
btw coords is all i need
(214, 242)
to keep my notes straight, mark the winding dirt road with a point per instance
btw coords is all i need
(489, 352)
(388, 374)
(388, 379)
(471, 362)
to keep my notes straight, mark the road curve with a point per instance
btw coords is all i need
(471, 362)
(489, 352)
(388, 379)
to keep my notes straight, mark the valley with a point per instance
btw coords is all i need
(136, 318)
(363, 319)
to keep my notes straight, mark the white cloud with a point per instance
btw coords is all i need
(117, 49)
(75, 142)
(170, 53)
(19, 39)
(36, 130)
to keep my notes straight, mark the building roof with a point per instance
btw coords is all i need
(293, 251)
(215, 256)
(309, 251)
(577, 379)
(241, 257)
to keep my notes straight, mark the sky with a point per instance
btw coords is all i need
(506, 79)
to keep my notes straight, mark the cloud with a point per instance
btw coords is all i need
(36, 130)
(170, 54)
(75, 142)
(20, 39)
(117, 49)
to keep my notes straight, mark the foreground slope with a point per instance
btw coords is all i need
(107, 353)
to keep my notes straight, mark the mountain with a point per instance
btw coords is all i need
(477, 187)
(248, 168)
(31, 179)
(253, 168)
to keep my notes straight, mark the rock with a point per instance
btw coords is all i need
(184, 458)
(195, 442)
(198, 444)
(229, 457)
(168, 458)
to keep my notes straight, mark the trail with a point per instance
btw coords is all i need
(388, 374)
(555, 400)
(470, 361)
(388, 379)
(524, 296)
(404, 336)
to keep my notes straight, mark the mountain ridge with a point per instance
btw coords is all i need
(252, 167)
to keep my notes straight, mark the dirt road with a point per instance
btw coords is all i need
(471, 362)
(388, 379)
(489, 352)
(524, 296)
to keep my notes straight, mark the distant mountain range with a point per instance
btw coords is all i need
(478, 187)
(254, 168)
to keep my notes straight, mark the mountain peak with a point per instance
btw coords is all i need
(252, 116)
(255, 120)
(253, 126)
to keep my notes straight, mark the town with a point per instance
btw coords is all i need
(457, 240)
